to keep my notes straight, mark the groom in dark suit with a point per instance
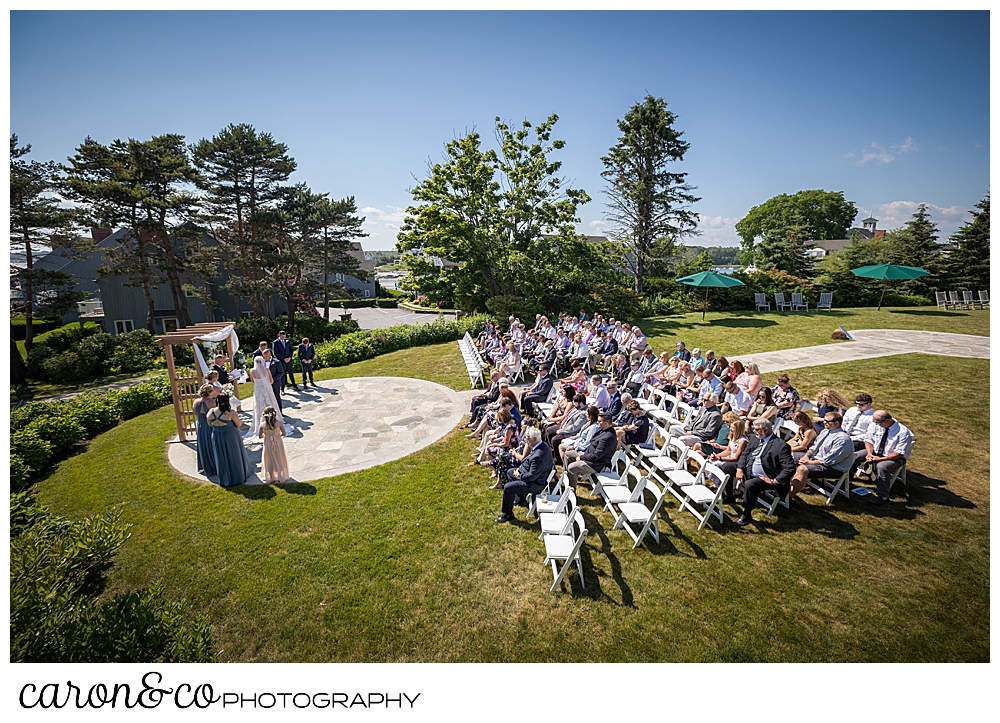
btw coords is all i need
(282, 349)
(765, 465)
(277, 371)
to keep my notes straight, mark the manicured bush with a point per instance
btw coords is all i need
(22, 416)
(19, 473)
(94, 411)
(96, 353)
(141, 398)
(64, 367)
(33, 449)
(62, 432)
(136, 352)
(362, 345)
(387, 303)
(18, 326)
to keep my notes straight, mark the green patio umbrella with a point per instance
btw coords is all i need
(887, 272)
(709, 279)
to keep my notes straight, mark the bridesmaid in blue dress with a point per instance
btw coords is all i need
(231, 461)
(206, 455)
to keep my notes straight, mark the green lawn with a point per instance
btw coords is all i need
(731, 333)
(403, 563)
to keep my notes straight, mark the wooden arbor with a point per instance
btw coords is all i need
(185, 389)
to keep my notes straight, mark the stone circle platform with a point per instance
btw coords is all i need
(344, 425)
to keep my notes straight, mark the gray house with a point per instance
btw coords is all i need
(120, 308)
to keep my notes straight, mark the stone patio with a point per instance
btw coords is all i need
(345, 425)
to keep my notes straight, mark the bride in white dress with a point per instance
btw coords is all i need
(263, 396)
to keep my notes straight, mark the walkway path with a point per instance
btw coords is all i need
(871, 343)
(349, 424)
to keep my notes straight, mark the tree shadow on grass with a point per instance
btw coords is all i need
(739, 323)
(917, 312)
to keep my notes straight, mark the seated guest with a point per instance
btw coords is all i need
(528, 478)
(697, 360)
(728, 458)
(804, 437)
(647, 360)
(510, 361)
(766, 464)
(723, 371)
(581, 439)
(614, 398)
(829, 400)
(488, 418)
(702, 425)
(597, 455)
(635, 430)
(737, 400)
(638, 342)
(763, 406)
(599, 395)
(619, 369)
(888, 444)
(710, 384)
(571, 424)
(736, 372)
(491, 394)
(682, 353)
(711, 362)
(545, 356)
(562, 407)
(752, 381)
(608, 348)
(578, 377)
(785, 397)
(582, 351)
(499, 439)
(858, 418)
(633, 383)
(655, 372)
(685, 378)
(501, 455)
(831, 454)
(538, 392)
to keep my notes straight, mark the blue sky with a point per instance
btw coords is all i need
(892, 108)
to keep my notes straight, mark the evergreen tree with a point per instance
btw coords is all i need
(968, 266)
(784, 249)
(329, 253)
(915, 244)
(648, 202)
(37, 221)
(242, 172)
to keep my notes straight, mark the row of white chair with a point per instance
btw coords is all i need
(761, 302)
(563, 528)
(949, 300)
(474, 364)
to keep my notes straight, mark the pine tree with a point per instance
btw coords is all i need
(648, 202)
(37, 221)
(968, 266)
(915, 244)
(329, 253)
(242, 172)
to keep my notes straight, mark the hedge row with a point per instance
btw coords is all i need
(18, 326)
(363, 345)
(41, 431)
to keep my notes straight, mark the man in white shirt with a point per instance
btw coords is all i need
(857, 419)
(888, 444)
(599, 395)
(737, 400)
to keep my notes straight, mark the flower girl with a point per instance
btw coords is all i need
(273, 459)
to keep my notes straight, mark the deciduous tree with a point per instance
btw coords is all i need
(813, 215)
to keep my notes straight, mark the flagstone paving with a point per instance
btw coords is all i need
(872, 343)
(345, 425)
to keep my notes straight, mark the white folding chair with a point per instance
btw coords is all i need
(787, 429)
(798, 303)
(942, 300)
(646, 452)
(545, 408)
(673, 459)
(761, 301)
(825, 302)
(780, 304)
(970, 301)
(984, 299)
(664, 414)
(770, 501)
(830, 487)
(614, 475)
(566, 548)
(654, 401)
(558, 523)
(516, 374)
(636, 513)
(899, 474)
(707, 500)
(631, 491)
(682, 476)
(954, 300)
(550, 493)
(682, 410)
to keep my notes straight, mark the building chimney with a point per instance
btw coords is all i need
(879, 233)
(99, 234)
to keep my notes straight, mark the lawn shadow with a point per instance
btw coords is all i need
(596, 531)
(253, 492)
(298, 488)
(817, 518)
(921, 489)
(743, 323)
(917, 312)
